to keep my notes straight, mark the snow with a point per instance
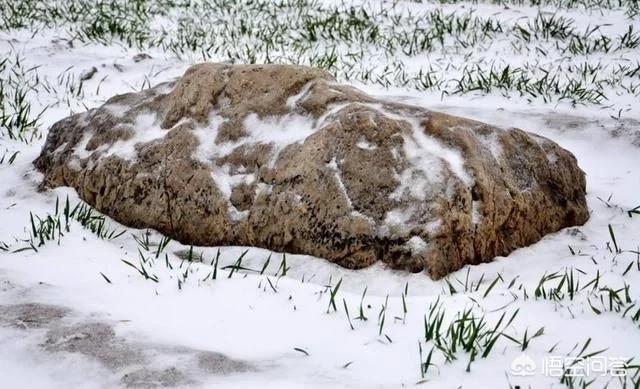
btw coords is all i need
(146, 129)
(398, 217)
(299, 97)
(491, 142)
(417, 244)
(244, 318)
(279, 131)
(207, 148)
(428, 157)
(364, 145)
(333, 165)
(476, 216)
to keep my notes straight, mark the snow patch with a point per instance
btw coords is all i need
(74, 164)
(417, 245)
(225, 182)
(295, 99)
(428, 158)
(399, 220)
(117, 110)
(492, 143)
(364, 145)
(433, 226)
(451, 157)
(333, 165)
(475, 212)
(279, 130)
(398, 217)
(207, 148)
(145, 129)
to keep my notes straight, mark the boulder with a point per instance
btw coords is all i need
(285, 158)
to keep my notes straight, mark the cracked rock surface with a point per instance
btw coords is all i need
(284, 158)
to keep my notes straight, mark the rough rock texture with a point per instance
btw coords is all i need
(283, 157)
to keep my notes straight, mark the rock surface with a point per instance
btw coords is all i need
(283, 157)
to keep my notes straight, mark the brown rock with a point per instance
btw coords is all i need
(282, 157)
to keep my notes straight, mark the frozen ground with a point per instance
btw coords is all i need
(73, 313)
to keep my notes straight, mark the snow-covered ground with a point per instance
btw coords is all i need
(74, 312)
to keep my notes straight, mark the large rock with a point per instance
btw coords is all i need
(283, 157)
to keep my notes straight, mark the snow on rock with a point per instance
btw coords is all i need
(285, 158)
